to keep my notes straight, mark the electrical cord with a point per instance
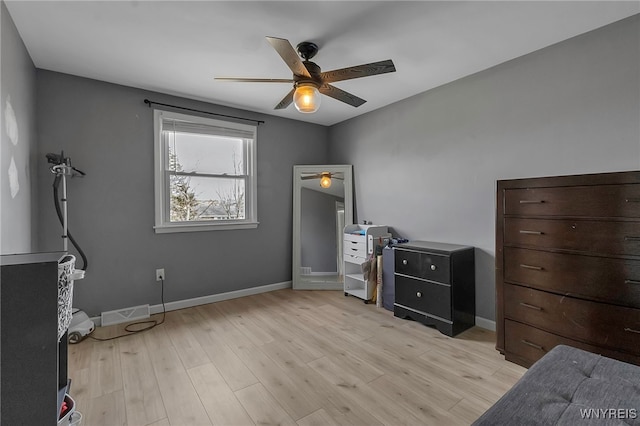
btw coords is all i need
(149, 324)
(56, 202)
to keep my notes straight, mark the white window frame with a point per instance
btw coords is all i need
(163, 223)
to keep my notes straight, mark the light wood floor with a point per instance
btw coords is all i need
(288, 358)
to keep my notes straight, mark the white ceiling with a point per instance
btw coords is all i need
(178, 47)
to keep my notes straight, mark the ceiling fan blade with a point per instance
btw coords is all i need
(318, 177)
(338, 176)
(286, 101)
(255, 80)
(341, 95)
(358, 71)
(289, 55)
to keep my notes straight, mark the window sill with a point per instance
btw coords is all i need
(201, 227)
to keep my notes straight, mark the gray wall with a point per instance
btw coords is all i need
(318, 230)
(427, 166)
(107, 131)
(18, 227)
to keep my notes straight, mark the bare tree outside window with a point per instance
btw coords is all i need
(187, 204)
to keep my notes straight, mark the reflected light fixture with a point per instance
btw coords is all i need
(325, 179)
(307, 98)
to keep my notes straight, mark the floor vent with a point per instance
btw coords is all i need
(124, 315)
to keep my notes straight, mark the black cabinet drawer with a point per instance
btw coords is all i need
(431, 298)
(422, 265)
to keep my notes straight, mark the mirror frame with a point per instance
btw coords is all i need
(347, 170)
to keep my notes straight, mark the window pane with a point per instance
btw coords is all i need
(205, 173)
(189, 152)
(206, 198)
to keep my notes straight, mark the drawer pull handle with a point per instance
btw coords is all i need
(535, 268)
(523, 231)
(533, 345)
(531, 201)
(631, 330)
(632, 200)
(526, 305)
(404, 262)
(434, 267)
(419, 294)
(631, 282)
(631, 238)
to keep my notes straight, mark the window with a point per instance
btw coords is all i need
(205, 173)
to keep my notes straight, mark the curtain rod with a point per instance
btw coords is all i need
(148, 102)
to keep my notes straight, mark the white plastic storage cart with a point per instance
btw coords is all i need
(360, 242)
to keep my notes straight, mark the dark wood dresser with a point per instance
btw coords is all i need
(435, 285)
(568, 265)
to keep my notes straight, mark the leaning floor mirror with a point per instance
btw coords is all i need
(322, 206)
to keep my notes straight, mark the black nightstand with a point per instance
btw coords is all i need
(435, 285)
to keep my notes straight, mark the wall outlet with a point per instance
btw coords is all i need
(160, 274)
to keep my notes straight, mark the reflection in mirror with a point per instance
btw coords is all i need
(323, 205)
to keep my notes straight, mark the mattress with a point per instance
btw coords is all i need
(569, 386)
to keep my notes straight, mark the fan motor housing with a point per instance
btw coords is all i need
(307, 50)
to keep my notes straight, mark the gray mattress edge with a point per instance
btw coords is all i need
(569, 386)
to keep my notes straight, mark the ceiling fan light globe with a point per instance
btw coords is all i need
(325, 181)
(306, 98)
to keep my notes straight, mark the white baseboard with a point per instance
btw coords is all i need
(485, 323)
(124, 315)
(197, 301)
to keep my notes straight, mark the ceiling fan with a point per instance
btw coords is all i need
(325, 178)
(309, 81)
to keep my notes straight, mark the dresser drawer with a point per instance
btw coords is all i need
(351, 258)
(357, 238)
(355, 248)
(575, 275)
(422, 265)
(588, 201)
(529, 344)
(615, 238)
(592, 322)
(358, 245)
(424, 296)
